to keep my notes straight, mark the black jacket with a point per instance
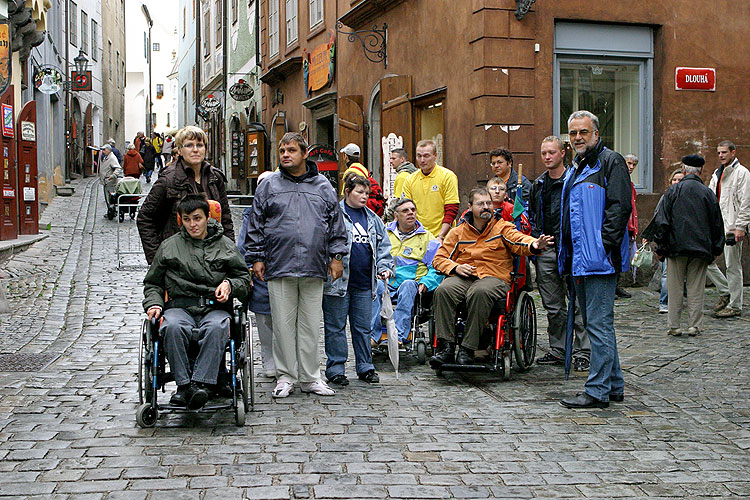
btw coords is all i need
(688, 221)
(541, 214)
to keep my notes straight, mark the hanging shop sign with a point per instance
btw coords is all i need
(695, 79)
(211, 104)
(317, 66)
(8, 128)
(4, 56)
(28, 131)
(48, 80)
(328, 163)
(241, 91)
(81, 81)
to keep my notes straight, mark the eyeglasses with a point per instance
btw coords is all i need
(582, 132)
(197, 145)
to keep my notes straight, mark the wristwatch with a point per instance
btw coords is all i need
(338, 257)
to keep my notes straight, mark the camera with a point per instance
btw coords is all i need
(730, 241)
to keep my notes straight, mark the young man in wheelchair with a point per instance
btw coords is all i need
(476, 258)
(201, 271)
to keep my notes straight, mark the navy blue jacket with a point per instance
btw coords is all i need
(259, 302)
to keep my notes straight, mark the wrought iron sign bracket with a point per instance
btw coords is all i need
(374, 42)
(522, 7)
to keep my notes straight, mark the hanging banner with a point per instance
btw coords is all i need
(317, 66)
(4, 56)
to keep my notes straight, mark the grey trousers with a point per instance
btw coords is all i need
(297, 310)
(211, 334)
(554, 293)
(264, 324)
(692, 270)
(480, 296)
(731, 284)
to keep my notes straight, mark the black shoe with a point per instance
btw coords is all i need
(445, 355)
(465, 356)
(581, 364)
(621, 292)
(196, 397)
(180, 397)
(339, 379)
(550, 359)
(583, 400)
(617, 398)
(371, 377)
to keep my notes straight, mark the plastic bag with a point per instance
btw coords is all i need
(644, 257)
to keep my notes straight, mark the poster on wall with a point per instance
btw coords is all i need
(317, 65)
(4, 55)
(7, 110)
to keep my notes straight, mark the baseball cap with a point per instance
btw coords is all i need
(350, 149)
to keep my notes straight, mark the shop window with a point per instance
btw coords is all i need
(607, 69)
(430, 125)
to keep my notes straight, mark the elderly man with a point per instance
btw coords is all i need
(594, 247)
(689, 231)
(413, 248)
(731, 183)
(476, 258)
(109, 171)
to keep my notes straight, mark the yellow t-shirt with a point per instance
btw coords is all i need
(431, 193)
(398, 183)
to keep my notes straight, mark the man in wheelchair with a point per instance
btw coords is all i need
(476, 258)
(200, 270)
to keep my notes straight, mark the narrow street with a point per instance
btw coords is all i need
(68, 364)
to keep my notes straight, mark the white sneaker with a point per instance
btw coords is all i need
(318, 387)
(283, 389)
(663, 309)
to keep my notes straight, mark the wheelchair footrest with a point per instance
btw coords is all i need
(479, 367)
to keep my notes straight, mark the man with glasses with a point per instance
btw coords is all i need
(593, 248)
(476, 257)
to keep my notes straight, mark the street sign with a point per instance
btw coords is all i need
(695, 79)
(81, 81)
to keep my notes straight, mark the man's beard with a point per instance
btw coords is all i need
(486, 214)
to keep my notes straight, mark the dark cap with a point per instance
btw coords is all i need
(693, 161)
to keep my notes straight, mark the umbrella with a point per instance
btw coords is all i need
(386, 311)
(570, 325)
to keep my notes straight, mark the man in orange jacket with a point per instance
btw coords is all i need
(476, 258)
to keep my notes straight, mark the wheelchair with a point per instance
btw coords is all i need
(420, 338)
(510, 332)
(153, 375)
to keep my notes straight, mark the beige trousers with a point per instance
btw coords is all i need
(680, 270)
(297, 310)
(730, 284)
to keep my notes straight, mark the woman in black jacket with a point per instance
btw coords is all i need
(148, 153)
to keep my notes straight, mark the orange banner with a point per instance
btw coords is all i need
(4, 56)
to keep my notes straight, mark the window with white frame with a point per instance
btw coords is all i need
(94, 40)
(73, 28)
(84, 32)
(273, 27)
(316, 12)
(291, 21)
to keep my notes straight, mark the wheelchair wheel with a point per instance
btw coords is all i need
(248, 377)
(524, 331)
(506, 366)
(421, 353)
(239, 413)
(145, 389)
(146, 416)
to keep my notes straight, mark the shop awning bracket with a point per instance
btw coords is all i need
(374, 42)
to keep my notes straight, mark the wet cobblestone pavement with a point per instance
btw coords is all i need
(68, 430)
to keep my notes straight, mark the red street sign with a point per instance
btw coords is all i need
(81, 81)
(695, 79)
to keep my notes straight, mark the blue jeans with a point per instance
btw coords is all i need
(357, 305)
(663, 297)
(596, 298)
(405, 296)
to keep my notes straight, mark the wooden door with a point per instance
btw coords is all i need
(351, 127)
(28, 202)
(9, 210)
(396, 119)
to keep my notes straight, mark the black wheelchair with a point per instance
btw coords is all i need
(238, 361)
(422, 332)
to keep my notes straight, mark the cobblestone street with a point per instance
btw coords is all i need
(67, 424)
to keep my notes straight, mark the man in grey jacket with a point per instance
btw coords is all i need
(296, 237)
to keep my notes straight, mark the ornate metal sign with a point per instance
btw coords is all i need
(241, 91)
(48, 80)
(211, 104)
(374, 42)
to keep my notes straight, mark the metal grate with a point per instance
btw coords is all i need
(25, 362)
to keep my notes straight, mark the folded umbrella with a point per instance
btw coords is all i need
(386, 312)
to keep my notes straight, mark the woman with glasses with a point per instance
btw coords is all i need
(190, 173)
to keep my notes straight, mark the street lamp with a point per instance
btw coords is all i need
(81, 62)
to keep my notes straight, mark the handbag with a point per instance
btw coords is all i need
(643, 257)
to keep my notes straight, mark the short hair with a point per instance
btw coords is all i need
(478, 190)
(290, 137)
(404, 201)
(401, 152)
(727, 144)
(584, 114)
(554, 138)
(190, 132)
(496, 180)
(505, 153)
(427, 142)
(632, 158)
(691, 170)
(674, 172)
(353, 180)
(192, 202)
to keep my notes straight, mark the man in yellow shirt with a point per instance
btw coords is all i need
(434, 189)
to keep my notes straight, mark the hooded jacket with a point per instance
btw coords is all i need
(186, 267)
(132, 163)
(157, 218)
(734, 198)
(296, 225)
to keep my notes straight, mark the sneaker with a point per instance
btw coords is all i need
(728, 312)
(282, 389)
(318, 387)
(371, 377)
(675, 332)
(550, 359)
(663, 309)
(722, 303)
(693, 331)
(339, 379)
(581, 364)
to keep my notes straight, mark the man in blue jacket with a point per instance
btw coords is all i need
(594, 247)
(296, 238)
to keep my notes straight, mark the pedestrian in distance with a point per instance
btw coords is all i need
(376, 201)
(368, 260)
(157, 218)
(109, 172)
(166, 150)
(148, 153)
(434, 189)
(297, 237)
(731, 183)
(156, 142)
(544, 211)
(594, 247)
(132, 162)
(675, 177)
(631, 161)
(688, 230)
(115, 151)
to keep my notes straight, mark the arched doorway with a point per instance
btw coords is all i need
(374, 149)
(76, 137)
